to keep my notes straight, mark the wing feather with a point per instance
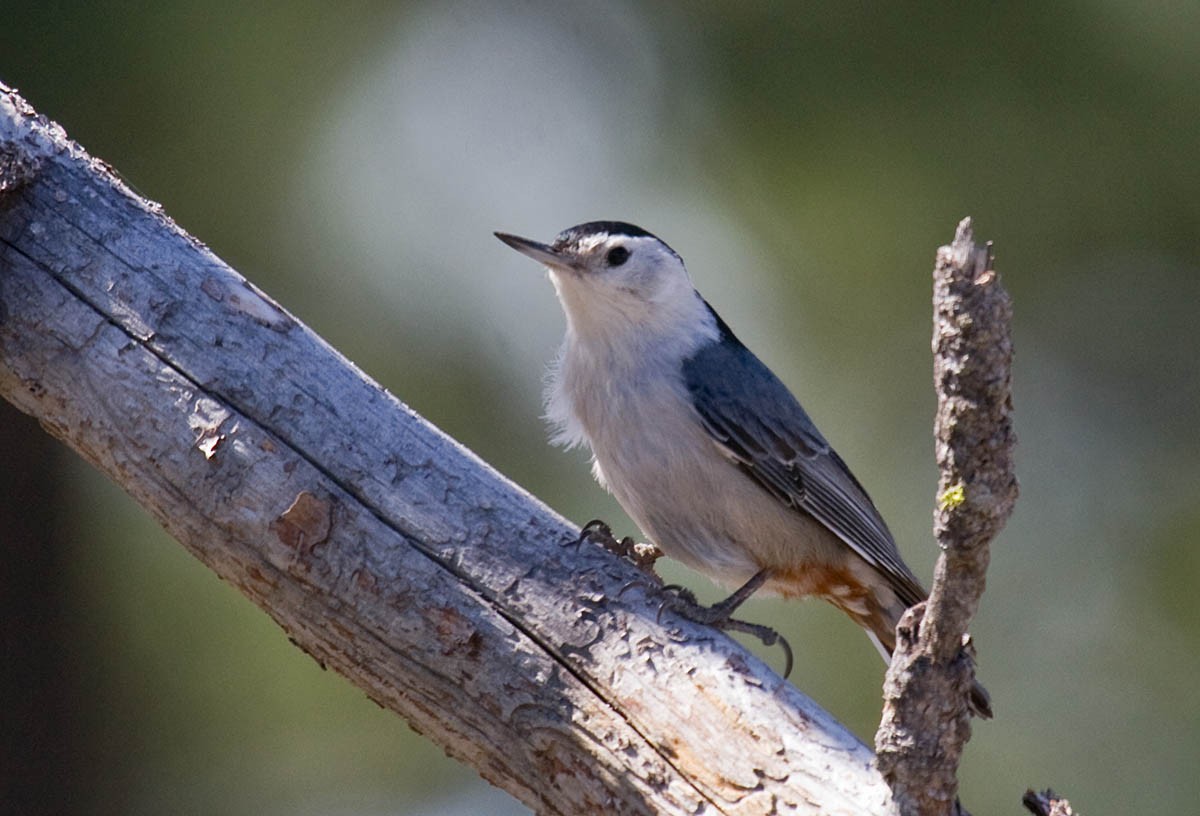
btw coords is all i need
(757, 421)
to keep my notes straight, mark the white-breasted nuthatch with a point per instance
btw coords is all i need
(702, 445)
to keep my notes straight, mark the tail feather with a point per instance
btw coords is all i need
(981, 701)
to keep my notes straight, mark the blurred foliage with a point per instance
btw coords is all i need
(805, 159)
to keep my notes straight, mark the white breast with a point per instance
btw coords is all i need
(652, 453)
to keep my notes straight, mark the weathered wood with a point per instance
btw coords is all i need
(382, 548)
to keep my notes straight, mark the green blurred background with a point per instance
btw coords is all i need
(806, 160)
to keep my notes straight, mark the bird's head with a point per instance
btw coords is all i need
(612, 277)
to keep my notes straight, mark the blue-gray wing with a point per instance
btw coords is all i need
(754, 417)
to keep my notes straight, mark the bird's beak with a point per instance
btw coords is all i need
(542, 253)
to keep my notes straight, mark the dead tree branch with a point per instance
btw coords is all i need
(1047, 803)
(925, 719)
(382, 548)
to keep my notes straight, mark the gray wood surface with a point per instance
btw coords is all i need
(381, 547)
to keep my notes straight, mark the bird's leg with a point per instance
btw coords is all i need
(728, 606)
(685, 603)
(643, 556)
(720, 615)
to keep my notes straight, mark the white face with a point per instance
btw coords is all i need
(604, 273)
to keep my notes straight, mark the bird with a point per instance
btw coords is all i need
(704, 447)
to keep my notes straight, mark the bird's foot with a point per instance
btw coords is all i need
(682, 602)
(642, 555)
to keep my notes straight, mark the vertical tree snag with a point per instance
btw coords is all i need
(925, 720)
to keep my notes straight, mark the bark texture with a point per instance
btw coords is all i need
(925, 720)
(381, 547)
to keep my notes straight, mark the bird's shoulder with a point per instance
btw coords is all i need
(729, 384)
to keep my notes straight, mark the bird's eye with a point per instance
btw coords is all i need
(617, 256)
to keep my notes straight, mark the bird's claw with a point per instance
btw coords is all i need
(628, 585)
(595, 531)
(766, 634)
(682, 601)
(642, 555)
